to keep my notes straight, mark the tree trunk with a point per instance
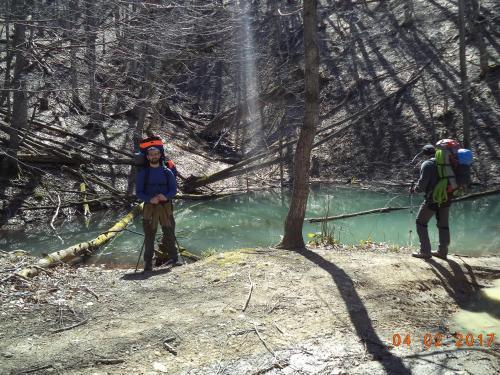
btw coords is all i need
(5, 95)
(19, 84)
(143, 105)
(476, 28)
(91, 61)
(295, 219)
(463, 75)
(74, 41)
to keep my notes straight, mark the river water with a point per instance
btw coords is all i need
(256, 219)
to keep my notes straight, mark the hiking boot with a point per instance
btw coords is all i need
(421, 255)
(147, 273)
(174, 262)
(439, 254)
(178, 262)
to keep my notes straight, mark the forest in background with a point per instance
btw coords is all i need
(84, 80)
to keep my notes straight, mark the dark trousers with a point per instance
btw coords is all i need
(155, 214)
(425, 213)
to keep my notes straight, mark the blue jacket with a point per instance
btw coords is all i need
(160, 181)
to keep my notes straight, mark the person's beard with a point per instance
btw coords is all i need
(154, 162)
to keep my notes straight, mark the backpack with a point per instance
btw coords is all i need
(453, 168)
(141, 161)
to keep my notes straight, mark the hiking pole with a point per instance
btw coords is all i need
(140, 254)
(410, 226)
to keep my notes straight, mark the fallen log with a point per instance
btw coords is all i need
(344, 216)
(125, 198)
(477, 195)
(72, 159)
(202, 197)
(83, 248)
(71, 134)
(95, 180)
(78, 203)
(389, 209)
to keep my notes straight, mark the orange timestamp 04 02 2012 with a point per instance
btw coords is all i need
(435, 340)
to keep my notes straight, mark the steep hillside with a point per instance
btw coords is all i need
(222, 83)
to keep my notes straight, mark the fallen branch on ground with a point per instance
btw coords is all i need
(70, 327)
(169, 348)
(264, 342)
(87, 289)
(36, 369)
(109, 361)
(249, 294)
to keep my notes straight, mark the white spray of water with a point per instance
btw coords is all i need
(250, 75)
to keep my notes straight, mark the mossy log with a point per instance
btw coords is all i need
(83, 248)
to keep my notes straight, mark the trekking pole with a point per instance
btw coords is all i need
(140, 254)
(410, 225)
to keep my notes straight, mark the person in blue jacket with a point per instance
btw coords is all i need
(156, 186)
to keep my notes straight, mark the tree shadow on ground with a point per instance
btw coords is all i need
(359, 315)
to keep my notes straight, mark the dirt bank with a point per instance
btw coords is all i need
(254, 311)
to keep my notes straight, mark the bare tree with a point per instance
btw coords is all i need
(74, 41)
(292, 238)
(476, 24)
(19, 82)
(5, 94)
(91, 60)
(463, 75)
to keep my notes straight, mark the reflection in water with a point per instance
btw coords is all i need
(256, 219)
